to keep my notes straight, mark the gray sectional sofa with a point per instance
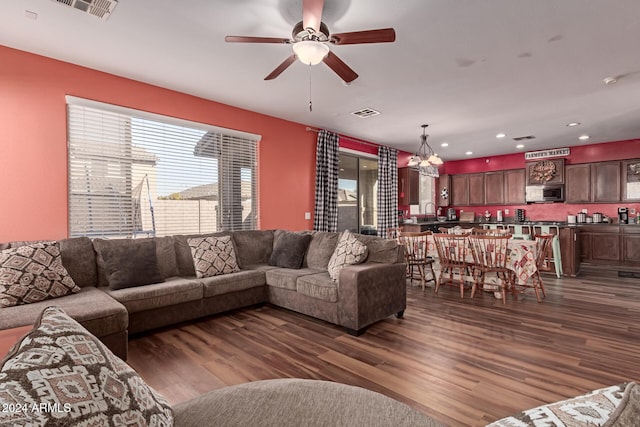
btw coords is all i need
(362, 295)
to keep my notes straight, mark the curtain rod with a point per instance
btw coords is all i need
(356, 140)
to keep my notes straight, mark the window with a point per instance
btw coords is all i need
(136, 174)
(357, 194)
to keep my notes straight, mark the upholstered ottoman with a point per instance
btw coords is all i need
(296, 402)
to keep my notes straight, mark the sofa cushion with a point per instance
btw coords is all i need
(173, 291)
(319, 286)
(60, 364)
(380, 250)
(184, 257)
(95, 310)
(289, 250)
(166, 256)
(321, 248)
(213, 256)
(132, 264)
(286, 278)
(33, 273)
(241, 280)
(253, 246)
(349, 251)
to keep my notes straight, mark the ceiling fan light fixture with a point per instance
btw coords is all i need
(310, 52)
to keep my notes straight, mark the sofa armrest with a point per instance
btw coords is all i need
(370, 292)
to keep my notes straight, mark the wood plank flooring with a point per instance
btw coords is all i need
(463, 362)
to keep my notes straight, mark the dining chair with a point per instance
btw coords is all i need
(452, 252)
(490, 256)
(519, 231)
(415, 253)
(553, 254)
(543, 244)
(490, 232)
(393, 233)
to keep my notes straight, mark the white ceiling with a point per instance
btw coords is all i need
(468, 68)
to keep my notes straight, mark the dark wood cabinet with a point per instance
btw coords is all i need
(514, 181)
(593, 182)
(494, 188)
(459, 193)
(578, 183)
(545, 172)
(408, 187)
(570, 250)
(600, 244)
(605, 182)
(476, 189)
(631, 244)
(631, 180)
(444, 190)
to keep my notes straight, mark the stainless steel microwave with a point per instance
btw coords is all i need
(544, 193)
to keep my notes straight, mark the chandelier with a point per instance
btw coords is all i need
(426, 161)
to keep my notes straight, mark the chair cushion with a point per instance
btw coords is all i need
(174, 290)
(33, 273)
(289, 250)
(81, 382)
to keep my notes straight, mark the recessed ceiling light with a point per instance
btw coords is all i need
(468, 153)
(501, 135)
(610, 80)
(583, 137)
(572, 124)
(444, 144)
(520, 146)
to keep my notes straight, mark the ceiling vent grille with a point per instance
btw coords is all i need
(365, 113)
(521, 138)
(99, 8)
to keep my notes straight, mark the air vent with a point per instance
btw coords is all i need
(365, 113)
(99, 8)
(521, 138)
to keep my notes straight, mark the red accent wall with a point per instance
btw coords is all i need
(33, 150)
(619, 150)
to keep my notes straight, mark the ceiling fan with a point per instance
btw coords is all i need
(310, 39)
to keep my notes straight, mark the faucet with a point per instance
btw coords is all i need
(427, 204)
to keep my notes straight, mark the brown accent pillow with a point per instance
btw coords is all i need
(131, 264)
(289, 250)
(33, 273)
(60, 374)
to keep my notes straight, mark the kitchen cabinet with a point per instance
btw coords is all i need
(631, 180)
(631, 244)
(545, 172)
(476, 189)
(578, 183)
(593, 182)
(514, 186)
(600, 244)
(494, 188)
(459, 193)
(570, 250)
(605, 182)
(444, 190)
(408, 187)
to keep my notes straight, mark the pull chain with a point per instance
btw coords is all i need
(310, 103)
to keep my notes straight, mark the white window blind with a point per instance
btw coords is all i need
(136, 174)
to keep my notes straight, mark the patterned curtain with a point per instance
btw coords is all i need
(327, 170)
(387, 189)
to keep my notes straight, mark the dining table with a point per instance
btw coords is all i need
(521, 259)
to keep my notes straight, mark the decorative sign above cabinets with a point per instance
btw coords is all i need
(545, 172)
(543, 154)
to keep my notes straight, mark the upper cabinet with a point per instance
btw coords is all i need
(593, 182)
(631, 180)
(494, 188)
(476, 189)
(514, 182)
(459, 193)
(408, 187)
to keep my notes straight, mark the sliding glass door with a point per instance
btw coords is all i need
(357, 194)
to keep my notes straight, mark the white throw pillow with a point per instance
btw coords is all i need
(349, 251)
(213, 256)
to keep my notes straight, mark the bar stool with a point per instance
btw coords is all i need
(555, 245)
(522, 232)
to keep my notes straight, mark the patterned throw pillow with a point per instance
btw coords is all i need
(349, 251)
(59, 374)
(33, 273)
(213, 256)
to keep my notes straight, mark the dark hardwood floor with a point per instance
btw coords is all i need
(464, 362)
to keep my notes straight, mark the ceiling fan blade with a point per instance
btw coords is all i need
(340, 68)
(280, 68)
(243, 39)
(312, 14)
(383, 35)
